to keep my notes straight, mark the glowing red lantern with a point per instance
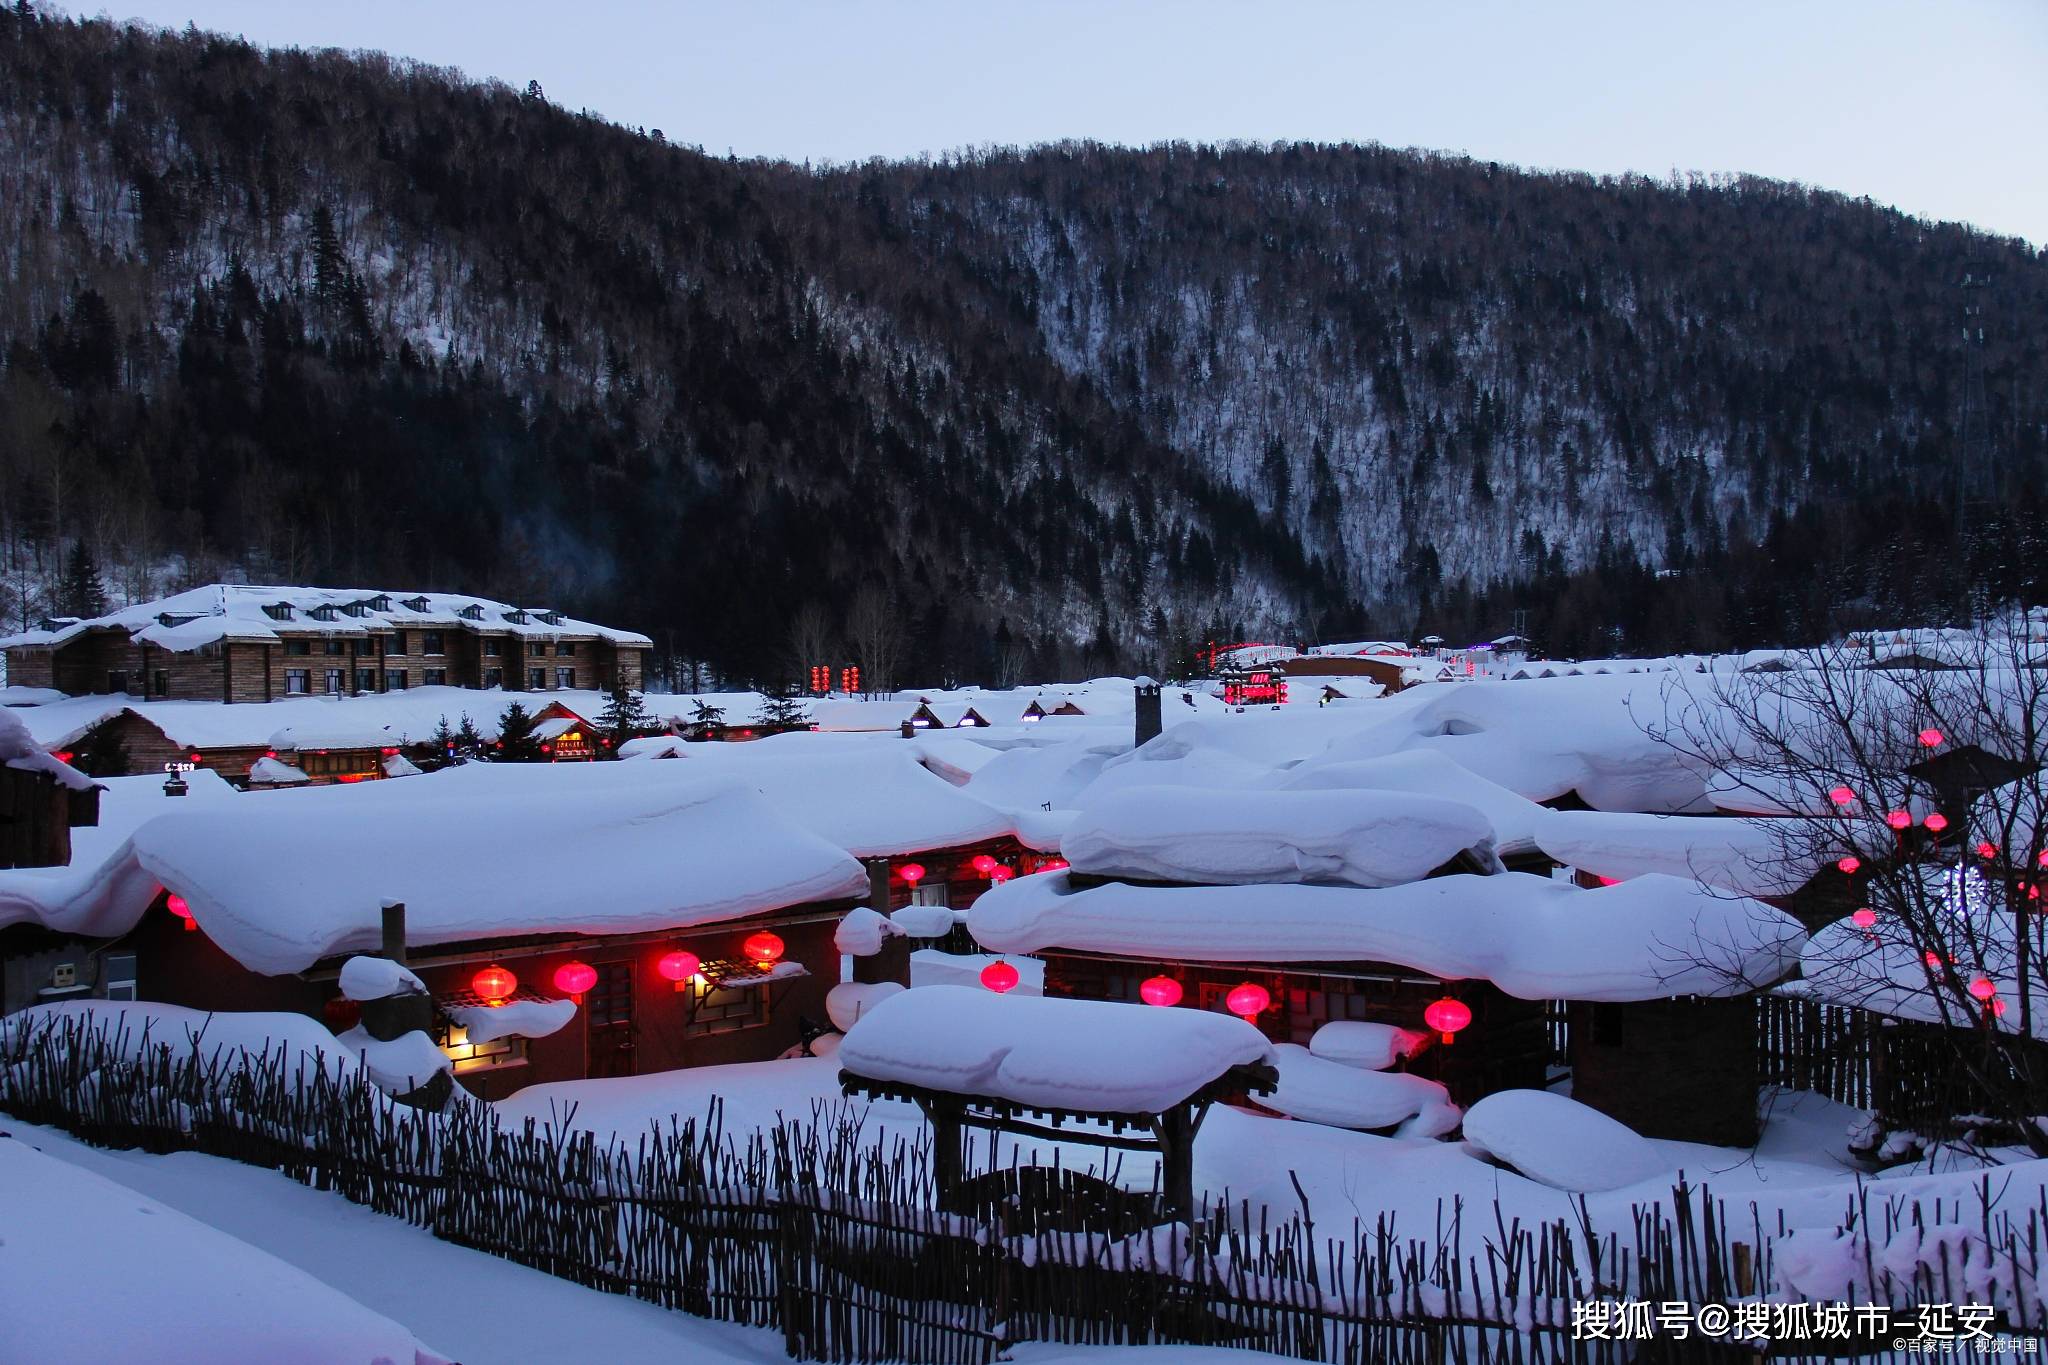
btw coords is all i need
(2043, 859)
(495, 984)
(1162, 991)
(1841, 796)
(983, 863)
(679, 967)
(999, 977)
(1936, 822)
(1248, 1001)
(763, 949)
(194, 756)
(1000, 874)
(1933, 960)
(1897, 819)
(1982, 988)
(1054, 865)
(1866, 918)
(1987, 849)
(1930, 738)
(913, 873)
(1447, 1016)
(176, 905)
(1849, 864)
(574, 978)
(1998, 1008)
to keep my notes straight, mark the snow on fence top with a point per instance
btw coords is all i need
(1083, 1056)
(280, 884)
(1539, 939)
(1199, 834)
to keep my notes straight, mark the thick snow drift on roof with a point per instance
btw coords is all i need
(1197, 834)
(275, 772)
(1753, 857)
(1531, 936)
(18, 749)
(1049, 775)
(870, 798)
(280, 882)
(70, 897)
(1425, 773)
(1560, 1142)
(1084, 1055)
(1341, 1096)
(94, 1271)
(1547, 737)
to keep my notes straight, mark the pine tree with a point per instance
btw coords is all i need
(625, 716)
(80, 592)
(782, 711)
(469, 741)
(516, 743)
(703, 712)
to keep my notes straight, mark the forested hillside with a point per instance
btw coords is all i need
(334, 317)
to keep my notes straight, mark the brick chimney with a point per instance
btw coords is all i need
(1149, 722)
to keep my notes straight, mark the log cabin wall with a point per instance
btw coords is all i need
(1683, 1069)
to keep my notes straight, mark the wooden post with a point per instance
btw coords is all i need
(394, 931)
(946, 1134)
(1175, 1130)
(892, 963)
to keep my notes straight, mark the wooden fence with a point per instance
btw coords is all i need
(820, 1232)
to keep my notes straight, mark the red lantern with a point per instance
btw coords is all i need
(913, 873)
(1897, 819)
(2043, 859)
(999, 977)
(1998, 1009)
(1162, 991)
(1447, 1016)
(763, 949)
(574, 978)
(1866, 918)
(1248, 1001)
(1933, 960)
(176, 905)
(678, 966)
(1930, 738)
(1054, 865)
(1982, 988)
(1936, 822)
(1849, 864)
(983, 864)
(495, 984)
(1841, 796)
(1000, 874)
(1987, 849)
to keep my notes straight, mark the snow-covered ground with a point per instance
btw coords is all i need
(463, 1304)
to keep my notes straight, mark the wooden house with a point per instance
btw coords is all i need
(239, 643)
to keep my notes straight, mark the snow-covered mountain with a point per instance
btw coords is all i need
(331, 316)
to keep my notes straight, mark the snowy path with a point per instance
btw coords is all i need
(477, 1308)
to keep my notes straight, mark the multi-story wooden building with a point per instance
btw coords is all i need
(239, 643)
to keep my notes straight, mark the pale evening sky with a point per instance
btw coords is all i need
(1939, 106)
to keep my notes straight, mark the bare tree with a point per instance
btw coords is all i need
(813, 640)
(1910, 773)
(875, 633)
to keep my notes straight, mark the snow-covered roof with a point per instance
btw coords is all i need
(281, 882)
(1755, 857)
(1076, 1055)
(1197, 834)
(275, 772)
(234, 611)
(339, 730)
(1424, 772)
(18, 749)
(1533, 937)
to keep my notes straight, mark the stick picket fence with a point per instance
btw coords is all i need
(835, 1239)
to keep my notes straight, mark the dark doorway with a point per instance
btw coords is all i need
(608, 1010)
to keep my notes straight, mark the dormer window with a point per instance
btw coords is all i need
(472, 612)
(516, 617)
(323, 614)
(552, 617)
(356, 609)
(381, 602)
(279, 611)
(414, 604)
